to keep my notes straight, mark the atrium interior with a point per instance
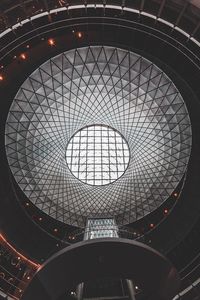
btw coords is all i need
(100, 143)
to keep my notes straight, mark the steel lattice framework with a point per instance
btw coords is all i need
(98, 85)
(97, 155)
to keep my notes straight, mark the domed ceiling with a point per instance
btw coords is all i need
(111, 88)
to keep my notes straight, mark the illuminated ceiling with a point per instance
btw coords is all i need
(98, 85)
(97, 155)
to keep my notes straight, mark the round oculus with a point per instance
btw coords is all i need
(97, 155)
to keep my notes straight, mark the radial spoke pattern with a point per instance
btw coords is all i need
(98, 85)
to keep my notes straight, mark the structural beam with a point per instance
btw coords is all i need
(161, 8)
(79, 291)
(181, 13)
(131, 289)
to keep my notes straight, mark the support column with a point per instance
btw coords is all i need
(131, 289)
(79, 291)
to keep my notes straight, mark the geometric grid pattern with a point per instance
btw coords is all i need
(97, 155)
(100, 228)
(98, 85)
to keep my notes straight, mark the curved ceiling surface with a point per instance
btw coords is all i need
(98, 85)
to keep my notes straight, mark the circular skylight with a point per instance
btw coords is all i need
(97, 155)
(98, 85)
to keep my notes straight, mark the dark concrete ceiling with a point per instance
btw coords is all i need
(176, 11)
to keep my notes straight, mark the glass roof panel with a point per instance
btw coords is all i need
(118, 89)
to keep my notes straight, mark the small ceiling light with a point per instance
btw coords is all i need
(151, 225)
(61, 2)
(175, 194)
(19, 258)
(136, 287)
(28, 277)
(165, 211)
(23, 56)
(40, 218)
(27, 46)
(79, 35)
(51, 42)
(27, 204)
(55, 230)
(1, 78)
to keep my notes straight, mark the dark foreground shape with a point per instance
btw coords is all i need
(100, 258)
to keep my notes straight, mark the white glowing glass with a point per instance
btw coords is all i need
(97, 155)
(100, 228)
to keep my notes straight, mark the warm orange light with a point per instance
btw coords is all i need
(79, 35)
(23, 56)
(17, 253)
(51, 42)
(1, 78)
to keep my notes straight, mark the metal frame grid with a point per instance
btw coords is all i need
(100, 228)
(98, 85)
(97, 155)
